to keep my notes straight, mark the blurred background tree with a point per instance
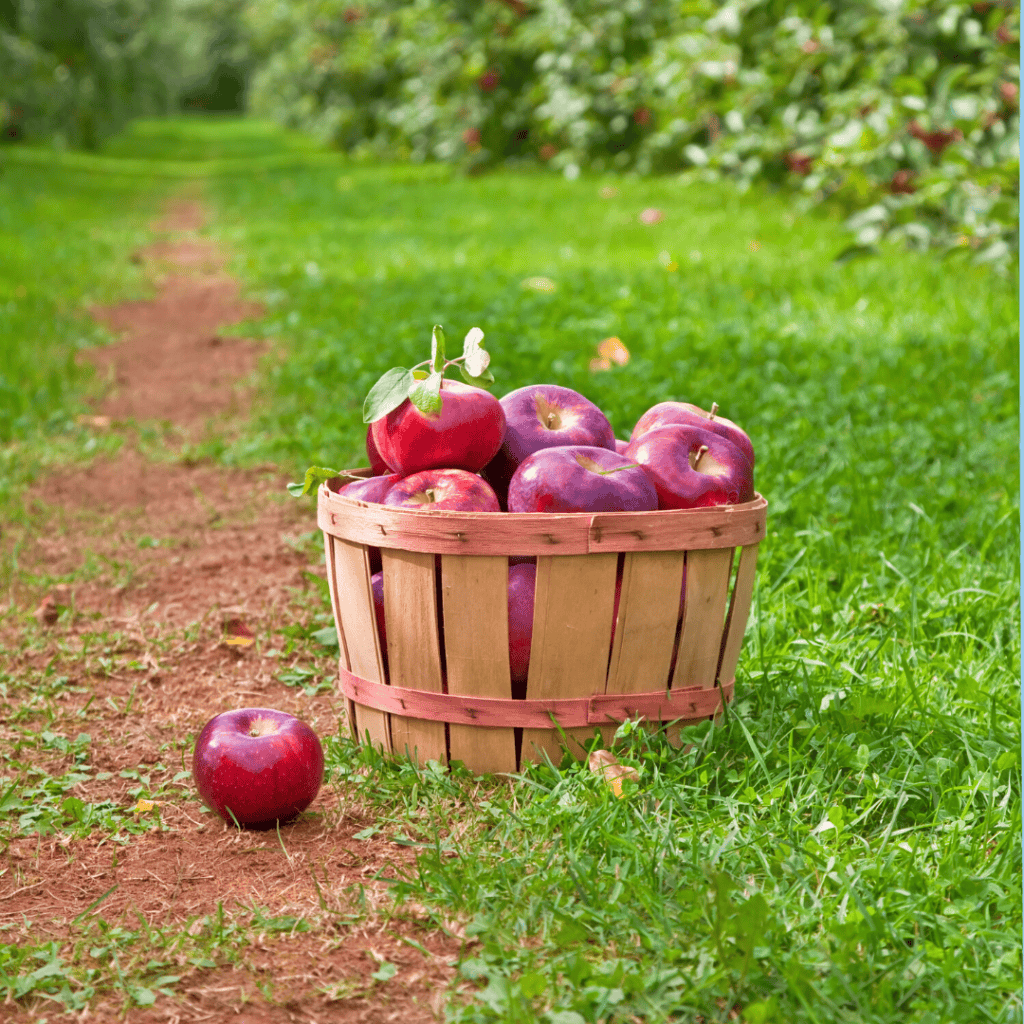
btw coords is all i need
(905, 112)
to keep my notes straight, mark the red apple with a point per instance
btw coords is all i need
(621, 446)
(452, 489)
(665, 413)
(377, 588)
(465, 434)
(691, 467)
(257, 766)
(377, 464)
(522, 581)
(580, 478)
(373, 488)
(545, 416)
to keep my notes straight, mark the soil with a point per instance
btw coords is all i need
(167, 559)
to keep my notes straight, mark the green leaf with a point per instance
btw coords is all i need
(485, 380)
(385, 972)
(328, 636)
(387, 394)
(437, 349)
(426, 394)
(315, 476)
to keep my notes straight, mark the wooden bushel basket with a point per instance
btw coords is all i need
(447, 692)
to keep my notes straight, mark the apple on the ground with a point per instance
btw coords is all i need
(455, 490)
(580, 478)
(257, 766)
(465, 434)
(667, 413)
(544, 416)
(691, 467)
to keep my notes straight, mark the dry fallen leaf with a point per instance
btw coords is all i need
(144, 806)
(607, 763)
(613, 349)
(540, 284)
(238, 634)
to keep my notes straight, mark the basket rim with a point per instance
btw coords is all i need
(538, 533)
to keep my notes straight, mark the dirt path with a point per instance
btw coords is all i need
(160, 556)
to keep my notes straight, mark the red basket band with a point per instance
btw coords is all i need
(689, 704)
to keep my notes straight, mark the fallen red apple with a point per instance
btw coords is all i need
(580, 478)
(465, 434)
(377, 464)
(544, 416)
(666, 413)
(691, 467)
(453, 489)
(373, 488)
(522, 581)
(257, 766)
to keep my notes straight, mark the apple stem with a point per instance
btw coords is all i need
(606, 472)
(714, 409)
(700, 453)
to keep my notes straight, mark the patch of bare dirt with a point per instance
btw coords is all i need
(173, 361)
(159, 555)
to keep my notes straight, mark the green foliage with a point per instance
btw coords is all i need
(907, 111)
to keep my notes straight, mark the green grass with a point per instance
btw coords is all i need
(847, 846)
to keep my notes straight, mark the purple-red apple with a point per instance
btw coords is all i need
(691, 467)
(377, 589)
(580, 478)
(257, 766)
(545, 416)
(465, 434)
(666, 413)
(377, 465)
(621, 446)
(372, 488)
(522, 581)
(453, 489)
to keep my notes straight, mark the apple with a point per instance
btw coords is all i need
(257, 766)
(691, 467)
(377, 464)
(373, 488)
(453, 489)
(377, 588)
(522, 582)
(665, 413)
(621, 446)
(545, 416)
(580, 478)
(465, 434)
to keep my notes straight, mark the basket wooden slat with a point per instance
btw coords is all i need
(414, 652)
(475, 601)
(739, 610)
(700, 642)
(358, 626)
(523, 533)
(645, 630)
(572, 633)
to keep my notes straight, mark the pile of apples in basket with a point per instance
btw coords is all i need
(441, 444)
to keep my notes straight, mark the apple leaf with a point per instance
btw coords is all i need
(388, 393)
(315, 476)
(437, 349)
(485, 380)
(426, 394)
(476, 358)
